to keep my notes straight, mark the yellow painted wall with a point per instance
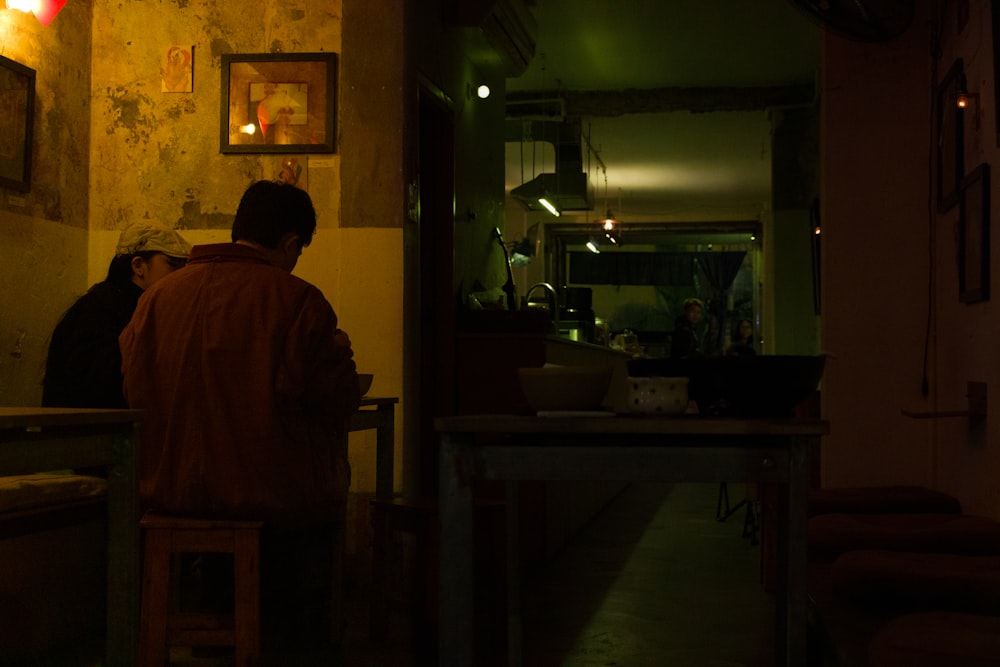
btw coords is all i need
(42, 232)
(156, 155)
(111, 148)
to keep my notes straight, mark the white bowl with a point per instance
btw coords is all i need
(658, 395)
(565, 387)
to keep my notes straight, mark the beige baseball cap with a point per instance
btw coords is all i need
(151, 237)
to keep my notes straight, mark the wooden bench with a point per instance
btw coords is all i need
(46, 501)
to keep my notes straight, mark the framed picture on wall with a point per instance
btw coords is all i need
(951, 137)
(974, 236)
(995, 8)
(17, 113)
(278, 103)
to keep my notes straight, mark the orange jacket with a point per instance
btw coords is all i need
(247, 382)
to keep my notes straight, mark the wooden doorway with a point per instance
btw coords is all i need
(431, 310)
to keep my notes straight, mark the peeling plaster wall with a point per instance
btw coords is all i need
(43, 244)
(156, 154)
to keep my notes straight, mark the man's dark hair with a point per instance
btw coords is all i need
(268, 210)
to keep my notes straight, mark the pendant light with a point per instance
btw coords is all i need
(609, 225)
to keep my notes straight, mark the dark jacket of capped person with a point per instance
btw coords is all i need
(83, 369)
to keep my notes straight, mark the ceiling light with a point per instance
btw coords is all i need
(549, 206)
(593, 247)
(483, 91)
(44, 10)
(609, 221)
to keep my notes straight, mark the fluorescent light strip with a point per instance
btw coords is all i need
(548, 206)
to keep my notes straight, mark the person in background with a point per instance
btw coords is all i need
(248, 380)
(685, 341)
(742, 344)
(83, 366)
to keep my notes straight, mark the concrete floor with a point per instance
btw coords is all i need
(654, 580)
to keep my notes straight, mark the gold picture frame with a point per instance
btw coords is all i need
(278, 103)
(17, 113)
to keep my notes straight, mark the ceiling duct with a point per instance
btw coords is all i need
(567, 187)
(504, 36)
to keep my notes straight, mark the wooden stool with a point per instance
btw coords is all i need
(159, 627)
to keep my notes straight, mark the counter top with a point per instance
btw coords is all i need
(631, 424)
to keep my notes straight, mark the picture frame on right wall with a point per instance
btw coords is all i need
(950, 137)
(974, 236)
(995, 8)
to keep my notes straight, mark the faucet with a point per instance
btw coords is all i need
(553, 297)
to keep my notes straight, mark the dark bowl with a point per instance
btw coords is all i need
(746, 386)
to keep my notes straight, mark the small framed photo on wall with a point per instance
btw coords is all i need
(974, 236)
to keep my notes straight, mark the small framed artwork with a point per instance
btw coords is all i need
(995, 8)
(951, 137)
(278, 103)
(974, 236)
(178, 70)
(17, 113)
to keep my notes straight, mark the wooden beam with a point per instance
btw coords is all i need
(585, 103)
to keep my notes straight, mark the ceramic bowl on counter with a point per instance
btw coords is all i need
(565, 388)
(658, 395)
(365, 382)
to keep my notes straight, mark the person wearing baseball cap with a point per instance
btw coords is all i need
(83, 367)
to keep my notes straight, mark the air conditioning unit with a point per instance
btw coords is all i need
(506, 27)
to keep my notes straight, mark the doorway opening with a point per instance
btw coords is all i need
(640, 284)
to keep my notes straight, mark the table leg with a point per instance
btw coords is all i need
(123, 555)
(382, 520)
(385, 435)
(796, 544)
(514, 625)
(791, 594)
(378, 625)
(457, 604)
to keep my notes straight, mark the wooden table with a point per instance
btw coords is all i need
(41, 439)
(629, 448)
(383, 419)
